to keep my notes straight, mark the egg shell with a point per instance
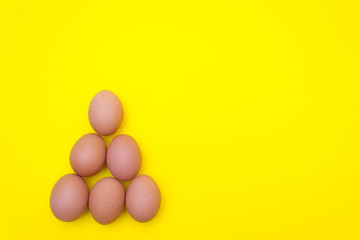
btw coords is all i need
(69, 197)
(143, 198)
(123, 157)
(106, 200)
(88, 155)
(105, 112)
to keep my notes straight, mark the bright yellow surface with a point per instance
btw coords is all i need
(247, 114)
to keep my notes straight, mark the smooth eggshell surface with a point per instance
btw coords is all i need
(88, 155)
(123, 157)
(106, 200)
(105, 112)
(143, 198)
(69, 197)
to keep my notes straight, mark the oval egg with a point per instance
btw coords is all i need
(69, 197)
(106, 200)
(105, 112)
(123, 157)
(143, 198)
(88, 155)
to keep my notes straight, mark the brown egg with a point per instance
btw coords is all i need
(143, 198)
(106, 200)
(88, 155)
(105, 112)
(69, 197)
(123, 157)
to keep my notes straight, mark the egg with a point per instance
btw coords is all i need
(88, 155)
(106, 200)
(105, 112)
(123, 157)
(69, 197)
(143, 198)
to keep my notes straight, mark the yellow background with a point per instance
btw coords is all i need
(247, 114)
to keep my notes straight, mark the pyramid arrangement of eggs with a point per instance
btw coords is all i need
(70, 196)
